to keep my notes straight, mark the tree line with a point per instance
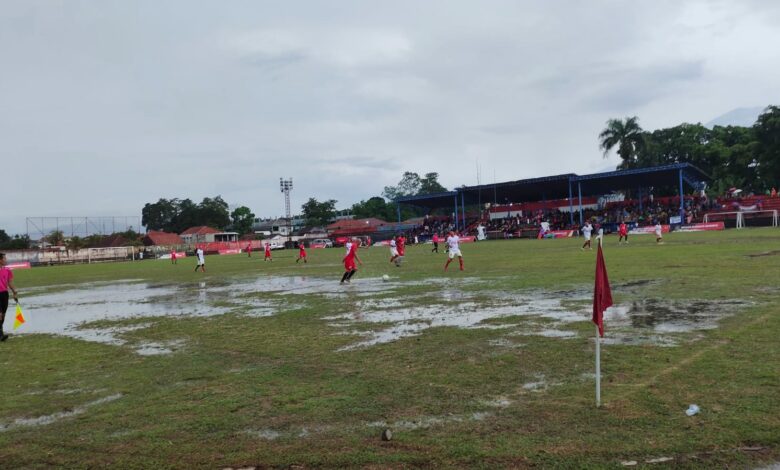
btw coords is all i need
(177, 215)
(734, 156)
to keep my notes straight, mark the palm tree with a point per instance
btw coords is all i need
(626, 135)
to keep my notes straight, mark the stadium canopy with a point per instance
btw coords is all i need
(567, 186)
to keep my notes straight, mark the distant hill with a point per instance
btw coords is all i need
(745, 117)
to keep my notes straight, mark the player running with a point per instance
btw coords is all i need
(435, 241)
(623, 233)
(659, 238)
(268, 252)
(173, 256)
(301, 251)
(587, 229)
(453, 248)
(6, 282)
(349, 263)
(394, 255)
(201, 260)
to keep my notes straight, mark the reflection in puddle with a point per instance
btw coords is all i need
(52, 418)
(379, 311)
(546, 314)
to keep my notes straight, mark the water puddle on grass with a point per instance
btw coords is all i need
(378, 311)
(548, 314)
(54, 417)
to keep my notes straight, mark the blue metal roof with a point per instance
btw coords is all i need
(558, 186)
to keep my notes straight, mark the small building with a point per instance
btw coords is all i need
(155, 238)
(200, 234)
(226, 237)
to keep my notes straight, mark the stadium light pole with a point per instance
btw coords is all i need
(285, 186)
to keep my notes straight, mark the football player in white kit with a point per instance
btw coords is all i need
(395, 256)
(201, 260)
(587, 229)
(453, 248)
(659, 238)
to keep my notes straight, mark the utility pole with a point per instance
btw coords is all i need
(286, 186)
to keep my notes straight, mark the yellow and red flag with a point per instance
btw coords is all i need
(19, 318)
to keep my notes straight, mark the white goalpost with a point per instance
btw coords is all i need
(740, 216)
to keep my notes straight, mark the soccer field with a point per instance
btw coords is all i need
(276, 364)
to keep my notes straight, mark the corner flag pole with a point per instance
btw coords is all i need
(602, 299)
(598, 353)
(598, 369)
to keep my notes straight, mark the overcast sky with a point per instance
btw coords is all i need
(107, 105)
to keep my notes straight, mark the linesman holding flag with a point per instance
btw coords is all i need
(6, 282)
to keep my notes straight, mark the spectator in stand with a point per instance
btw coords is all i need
(773, 193)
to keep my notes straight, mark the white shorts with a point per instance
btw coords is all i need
(393, 251)
(587, 237)
(658, 235)
(454, 253)
(201, 261)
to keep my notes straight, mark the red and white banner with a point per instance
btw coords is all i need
(25, 265)
(179, 254)
(649, 229)
(702, 227)
(229, 251)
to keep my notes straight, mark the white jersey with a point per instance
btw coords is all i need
(658, 229)
(348, 246)
(199, 253)
(393, 248)
(586, 231)
(453, 243)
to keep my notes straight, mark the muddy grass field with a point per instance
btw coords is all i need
(150, 365)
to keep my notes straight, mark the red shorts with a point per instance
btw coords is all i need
(349, 265)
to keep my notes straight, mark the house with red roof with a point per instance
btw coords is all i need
(156, 238)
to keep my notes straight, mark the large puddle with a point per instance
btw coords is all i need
(374, 310)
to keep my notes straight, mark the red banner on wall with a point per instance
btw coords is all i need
(25, 265)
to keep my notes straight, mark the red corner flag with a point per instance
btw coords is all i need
(602, 296)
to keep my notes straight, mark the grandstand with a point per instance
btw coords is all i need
(565, 201)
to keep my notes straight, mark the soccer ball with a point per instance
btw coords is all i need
(385, 277)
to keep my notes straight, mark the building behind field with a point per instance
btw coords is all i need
(204, 234)
(156, 238)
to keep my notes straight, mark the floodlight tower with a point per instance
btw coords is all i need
(286, 186)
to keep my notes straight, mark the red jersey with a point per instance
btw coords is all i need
(623, 230)
(268, 249)
(349, 259)
(401, 241)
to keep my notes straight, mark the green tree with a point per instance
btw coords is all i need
(374, 207)
(160, 215)
(409, 185)
(75, 243)
(5, 239)
(767, 138)
(19, 242)
(56, 238)
(214, 213)
(429, 184)
(243, 218)
(626, 136)
(318, 213)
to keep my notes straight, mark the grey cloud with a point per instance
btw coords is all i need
(107, 105)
